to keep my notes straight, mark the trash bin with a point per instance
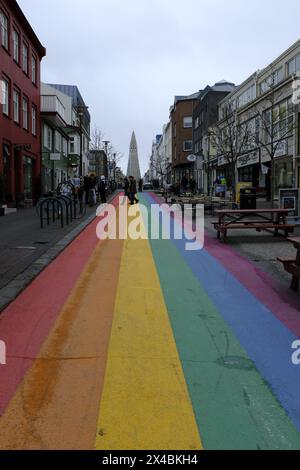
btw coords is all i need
(248, 198)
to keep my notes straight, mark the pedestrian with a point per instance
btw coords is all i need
(132, 191)
(141, 183)
(184, 183)
(193, 185)
(102, 189)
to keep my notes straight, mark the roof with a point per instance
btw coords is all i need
(194, 96)
(15, 8)
(74, 93)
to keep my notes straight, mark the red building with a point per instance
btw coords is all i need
(20, 136)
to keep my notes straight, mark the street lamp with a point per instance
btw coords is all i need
(81, 109)
(106, 142)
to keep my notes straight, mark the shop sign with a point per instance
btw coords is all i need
(289, 199)
(222, 160)
(55, 157)
(248, 159)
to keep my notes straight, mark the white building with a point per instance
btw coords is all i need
(267, 97)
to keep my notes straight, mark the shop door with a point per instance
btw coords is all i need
(27, 173)
(6, 174)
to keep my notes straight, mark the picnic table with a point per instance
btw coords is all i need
(258, 219)
(292, 265)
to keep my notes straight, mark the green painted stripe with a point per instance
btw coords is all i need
(234, 407)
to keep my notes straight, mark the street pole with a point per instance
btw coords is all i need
(81, 166)
(106, 142)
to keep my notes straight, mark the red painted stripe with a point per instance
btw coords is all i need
(282, 302)
(27, 321)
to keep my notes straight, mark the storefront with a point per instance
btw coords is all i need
(224, 170)
(250, 171)
(283, 168)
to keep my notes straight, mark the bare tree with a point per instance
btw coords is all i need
(97, 138)
(275, 122)
(231, 137)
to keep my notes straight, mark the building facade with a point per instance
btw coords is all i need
(56, 163)
(181, 119)
(79, 128)
(205, 116)
(21, 54)
(264, 108)
(98, 164)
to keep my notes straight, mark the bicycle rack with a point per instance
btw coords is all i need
(62, 207)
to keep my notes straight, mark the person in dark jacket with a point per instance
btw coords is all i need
(132, 191)
(193, 185)
(126, 186)
(102, 189)
(184, 183)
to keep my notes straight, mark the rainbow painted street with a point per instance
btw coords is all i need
(140, 344)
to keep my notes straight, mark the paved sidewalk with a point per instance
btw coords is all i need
(262, 248)
(26, 249)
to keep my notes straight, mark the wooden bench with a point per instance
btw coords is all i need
(291, 267)
(287, 228)
(239, 219)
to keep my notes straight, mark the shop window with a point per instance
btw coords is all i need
(27, 172)
(283, 175)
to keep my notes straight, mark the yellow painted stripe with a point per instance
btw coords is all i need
(145, 402)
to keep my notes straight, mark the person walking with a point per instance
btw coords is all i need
(193, 185)
(184, 183)
(102, 189)
(132, 191)
(141, 183)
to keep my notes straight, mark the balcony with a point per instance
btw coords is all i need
(53, 111)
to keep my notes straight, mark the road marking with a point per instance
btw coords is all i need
(145, 402)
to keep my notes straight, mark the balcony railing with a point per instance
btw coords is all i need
(52, 104)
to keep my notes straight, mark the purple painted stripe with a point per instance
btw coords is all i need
(283, 303)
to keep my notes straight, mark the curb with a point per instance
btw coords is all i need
(15, 287)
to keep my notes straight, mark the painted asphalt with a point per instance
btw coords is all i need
(140, 344)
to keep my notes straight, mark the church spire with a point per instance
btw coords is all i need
(133, 162)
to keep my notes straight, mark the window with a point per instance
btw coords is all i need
(187, 122)
(25, 113)
(197, 122)
(25, 58)
(175, 130)
(247, 96)
(16, 46)
(4, 29)
(33, 69)
(16, 100)
(72, 144)
(279, 124)
(33, 120)
(5, 97)
(65, 146)
(272, 81)
(293, 65)
(188, 145)
(57, 141)
(47, 137)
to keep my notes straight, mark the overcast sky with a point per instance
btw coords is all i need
(129, 58)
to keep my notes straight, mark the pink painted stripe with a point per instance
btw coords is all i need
(26, 322)
(281, 301)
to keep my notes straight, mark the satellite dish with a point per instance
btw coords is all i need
(192, 158)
